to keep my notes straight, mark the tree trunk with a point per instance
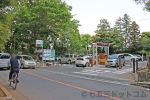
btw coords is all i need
(149, 63)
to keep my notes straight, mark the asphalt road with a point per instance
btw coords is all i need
(51, 85)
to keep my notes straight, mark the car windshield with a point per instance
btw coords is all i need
(81, 55)
(4, 56)
(27, 58)
(113, 57)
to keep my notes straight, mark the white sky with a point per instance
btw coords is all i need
(89, 12)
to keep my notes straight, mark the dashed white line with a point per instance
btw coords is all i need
(93, 79)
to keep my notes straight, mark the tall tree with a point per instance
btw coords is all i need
(126, 30)
(6, 20)
(40, 18)
(107, 34)
(134, 35)
(119, 26)
(102, 29)
(104, 25)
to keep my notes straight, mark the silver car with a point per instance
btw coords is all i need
(113, 60)
(26, 61)
(4, 60)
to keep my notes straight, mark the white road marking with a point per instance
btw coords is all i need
(87, 70)
(106, 71)
(87, 78)
(86, 73)
(119, 72)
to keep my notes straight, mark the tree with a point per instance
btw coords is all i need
(144, 44)
(40, 18)
(104, 25)
(107, 34)
(134, 35)
(6, 19)
(145, 2)
(85, 40)
(126, 32)
(119, 26)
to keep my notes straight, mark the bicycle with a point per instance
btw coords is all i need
(14, 80)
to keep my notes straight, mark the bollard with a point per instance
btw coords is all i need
(137, 68)
(120, 66)
(133, 65)
(90, 62)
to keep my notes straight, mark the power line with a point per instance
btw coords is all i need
(144, 19)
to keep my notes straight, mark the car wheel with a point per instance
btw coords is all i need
(33, 68)
(123, 64)
(59, 61)
(116, 65)
(69, 62)
(22, 66)
(86, 65)
(77, 65)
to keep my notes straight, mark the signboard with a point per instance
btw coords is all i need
(48, 54)
(19, 53)
(39, 43)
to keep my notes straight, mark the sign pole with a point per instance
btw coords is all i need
(42, 56)
(39, 43)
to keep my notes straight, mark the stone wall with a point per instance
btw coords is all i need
(143, 76)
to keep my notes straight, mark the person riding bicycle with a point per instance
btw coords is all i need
(15, 66)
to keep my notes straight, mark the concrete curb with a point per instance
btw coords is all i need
(140, 84)
(8, 95)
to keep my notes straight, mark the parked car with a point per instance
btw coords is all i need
(4, 60)
(57, 58)
(139, 57)
(68, 58)
(129, 57)
(90, 55)
(113, 60)
(82, 61)
(26, 61)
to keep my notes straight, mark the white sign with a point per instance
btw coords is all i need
(39, 41)
(48, 54)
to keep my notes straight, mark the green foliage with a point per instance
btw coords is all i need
(85, 40)
(134, 36)
(144, 42)
(6, 19)
(40, 18)
(107, 35)
(126, 29)
(145, 2)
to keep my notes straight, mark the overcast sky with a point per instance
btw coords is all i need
(89, 12)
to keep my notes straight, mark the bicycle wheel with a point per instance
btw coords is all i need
(15, 81)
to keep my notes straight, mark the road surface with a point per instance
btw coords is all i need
(53, 84)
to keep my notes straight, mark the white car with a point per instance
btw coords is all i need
(82, 61)
(129, 57)
(26, 61)
(4, 60)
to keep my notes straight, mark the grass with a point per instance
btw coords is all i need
(145, 69)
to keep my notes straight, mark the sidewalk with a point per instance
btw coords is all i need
(15, 93)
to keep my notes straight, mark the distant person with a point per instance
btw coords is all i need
(15, 66)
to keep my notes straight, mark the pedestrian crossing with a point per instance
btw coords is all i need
(103, 71)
